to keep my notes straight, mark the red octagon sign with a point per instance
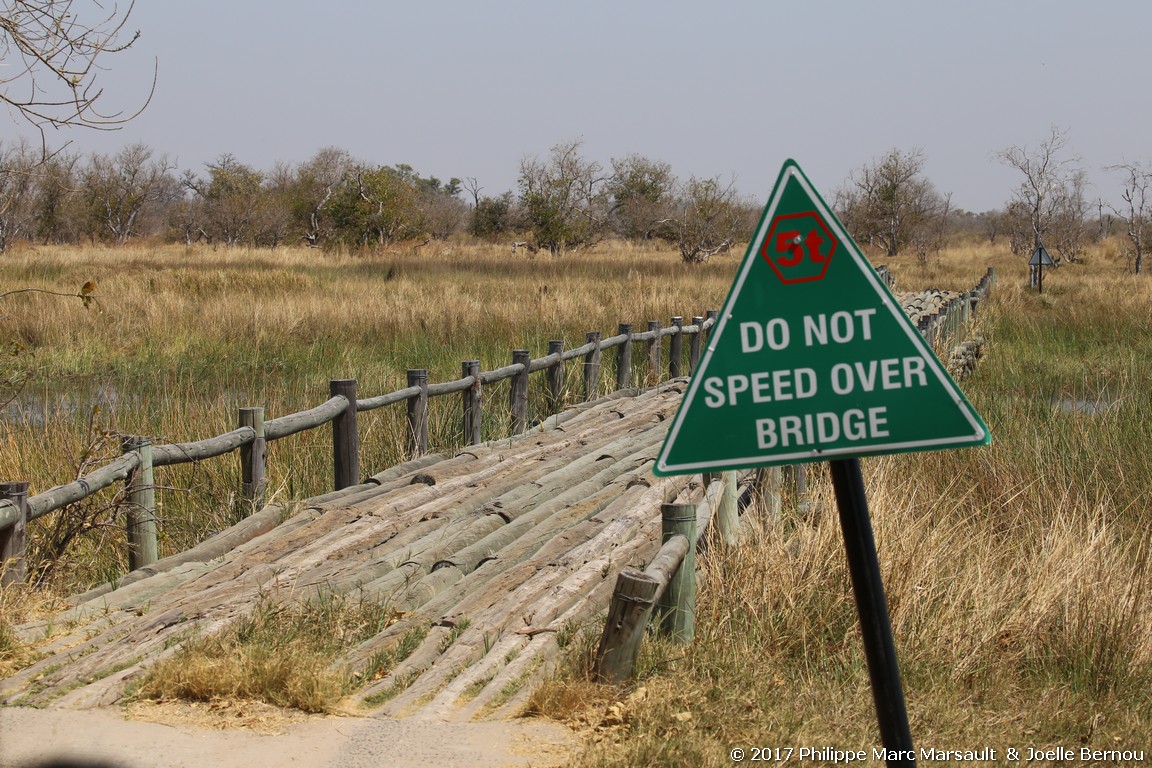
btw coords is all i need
(799, 247)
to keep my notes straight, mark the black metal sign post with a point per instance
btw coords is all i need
(872, 607)
(1040, 259)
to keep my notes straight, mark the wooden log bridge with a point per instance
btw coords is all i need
(497, 555)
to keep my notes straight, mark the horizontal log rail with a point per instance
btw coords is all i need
(121, 469)
(940, 325)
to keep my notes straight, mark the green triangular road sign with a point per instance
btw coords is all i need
(811, 358)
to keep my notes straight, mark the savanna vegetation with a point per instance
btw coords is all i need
(1017, 574)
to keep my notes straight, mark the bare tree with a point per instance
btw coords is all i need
(317, 181)
(120, 189)
(566, 199)
(53, 52)
(232, 197)
(17, 166)
(708, 218)
(1052, 184)
(891, 204)
(1137, 210)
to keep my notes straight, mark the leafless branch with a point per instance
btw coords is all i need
(51, 52)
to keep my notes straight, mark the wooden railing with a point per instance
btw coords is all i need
(941, 324)
(134, 468)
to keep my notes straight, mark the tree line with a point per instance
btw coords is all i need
(563, 202)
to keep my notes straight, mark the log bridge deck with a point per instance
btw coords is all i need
(499, 551)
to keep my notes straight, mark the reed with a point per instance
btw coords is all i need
(1017, 575)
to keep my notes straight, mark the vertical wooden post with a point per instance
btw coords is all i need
(654, 345)
(713, 315)
(418, 413)
(624, 358)
(632, 603)
(345, 437)
(253, 460)
(518, 393)
(678, 605)
(141, 505)
(472, 399)
(727, 514)
(694, 345)
(768, 482)
(14, 539)
(556, 377)
(676, 348)
(592, 367)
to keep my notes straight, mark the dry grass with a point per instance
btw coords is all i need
(280, 654)
(180, 339)
(1018, 574)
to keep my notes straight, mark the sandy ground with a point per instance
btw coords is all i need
(106, 737)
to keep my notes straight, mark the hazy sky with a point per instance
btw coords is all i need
(467, 89)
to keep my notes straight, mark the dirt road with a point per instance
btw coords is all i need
(105, 737)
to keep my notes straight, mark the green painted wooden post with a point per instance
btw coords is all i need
(678, 605)
(141, 487)
(14, 539)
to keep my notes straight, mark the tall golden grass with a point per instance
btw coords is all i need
(1017, 574)
(178, 339)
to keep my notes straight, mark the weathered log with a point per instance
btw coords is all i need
(632, 602)
(141, 512)
(253, 459)
(182, 453)
(345, 436)
(309, 419)
(677, 606)
(14, 537)
(62, 495)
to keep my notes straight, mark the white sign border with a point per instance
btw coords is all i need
(979, 433)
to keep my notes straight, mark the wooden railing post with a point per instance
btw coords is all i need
(592, 367)
(345, 437)
(694, 345)
(728, 514)
(141, 487)
(654, 352)
(768, 482)
(628, 614)
(14, 539)
(472, 399)
(418, 413)
(253, 460)
(678, 605)
(676, 348)
(518, 393)
(556, 377)
(624, 358)
(713, 315)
